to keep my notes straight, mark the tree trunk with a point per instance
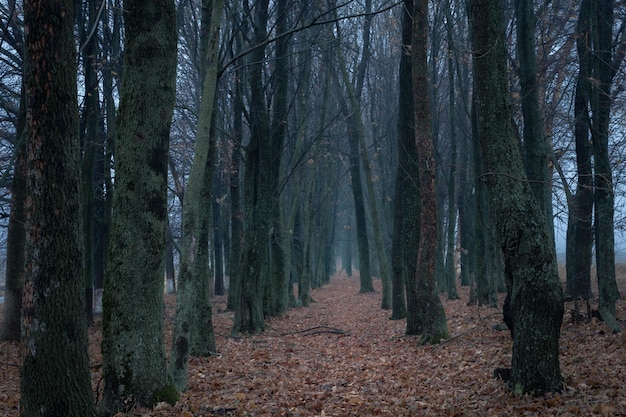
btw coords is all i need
(251, 283)
(536, 146)
(55, 377)
(236, 215)
(217, 236)
(402, 257)
(16, 237)
(193, 326)
(529, 256)
(450, 266)
(602, 28)
(277, 285)
(579, 241)
(431, 316)
(134, 360)
(90, 139)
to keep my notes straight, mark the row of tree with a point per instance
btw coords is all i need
(271, 128)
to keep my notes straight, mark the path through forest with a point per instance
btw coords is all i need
(342, 356)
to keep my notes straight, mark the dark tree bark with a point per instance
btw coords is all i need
(133, 349)
(365, 273)
(536, 146)
(236, 215)
(90, 140)
(604, 198)
(55, 377)
(450, 265)
(402, 257)
(277, 299)
(578, 250)
(431, 317)
(249, 316)
(529, 256)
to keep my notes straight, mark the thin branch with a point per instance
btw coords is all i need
(315, 22)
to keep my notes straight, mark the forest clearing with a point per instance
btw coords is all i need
(342, 356)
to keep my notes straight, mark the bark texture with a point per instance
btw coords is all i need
(55, 377)
(133, 346)
(431, 317)
(530, 262)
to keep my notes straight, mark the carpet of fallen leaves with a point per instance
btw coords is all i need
(342, 356)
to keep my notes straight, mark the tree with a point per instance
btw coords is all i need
(529, 256)
(55, 378)
(450, 266)
(431, 317)
(90, 141)
(579, 227)
(16, 234)
(407, 186)
(193, 327)
(16, 239)
(604, 69)
(276, 288)
(133, 348)
(536, 146)
(257, 195)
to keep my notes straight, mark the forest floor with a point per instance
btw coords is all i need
(342, 356)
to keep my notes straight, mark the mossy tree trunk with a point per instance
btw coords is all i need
(431, 317)
(55, 376)
(133, 348)
(529, 256)
(193, 325)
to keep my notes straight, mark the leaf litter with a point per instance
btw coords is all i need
(342, 356)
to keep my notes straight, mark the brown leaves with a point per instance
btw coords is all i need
(342, 356)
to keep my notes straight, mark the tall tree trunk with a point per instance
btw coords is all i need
(604, 70)
(236, 215)
(277, 285)
(431, 316)
(90, 139)
(579, 241)
(133, 349)
(450, 271)
(55, 377)
(403, 264)
(257, 205)
(529, 256)
(16, 237)
(193, 326)
(536, 146)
